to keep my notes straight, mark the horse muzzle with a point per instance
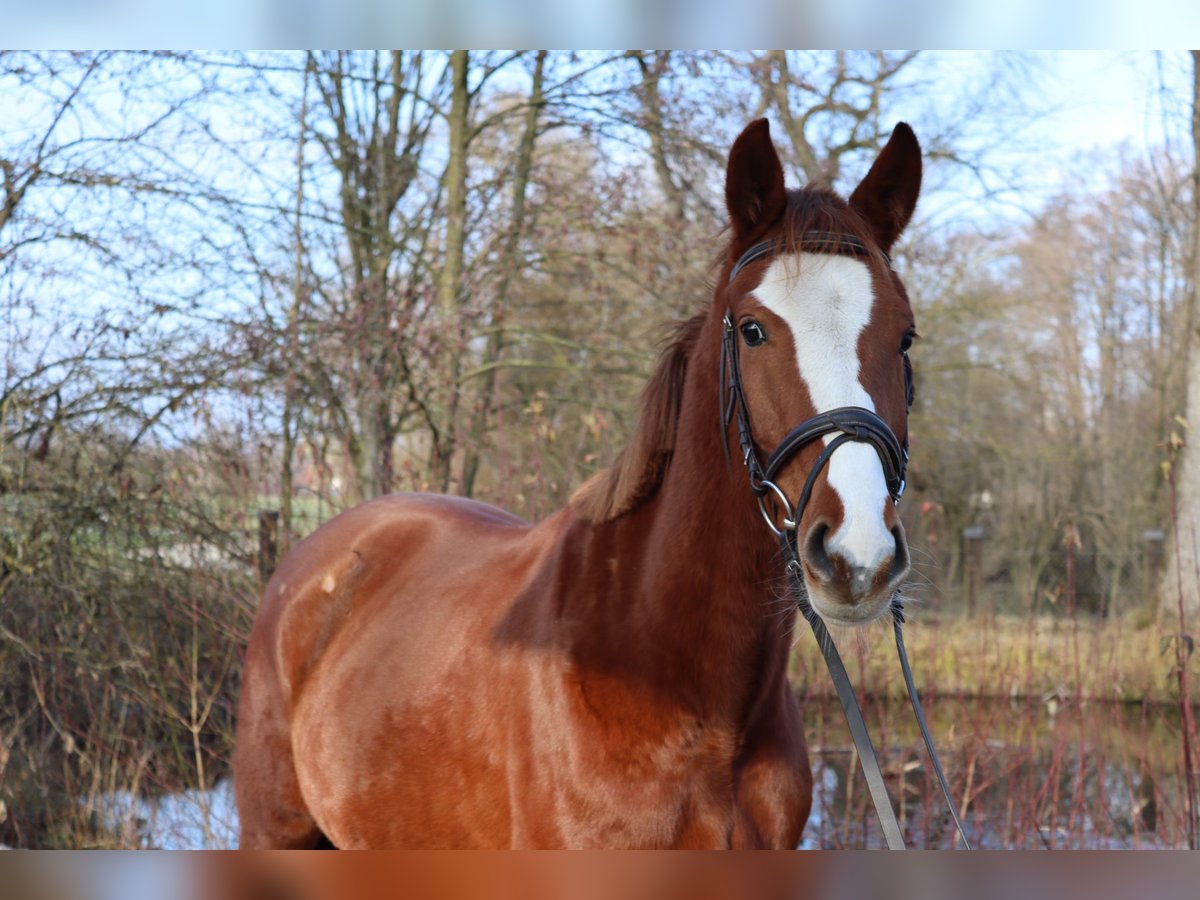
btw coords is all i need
(846, 590)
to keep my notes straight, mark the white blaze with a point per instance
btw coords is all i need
(826, 301)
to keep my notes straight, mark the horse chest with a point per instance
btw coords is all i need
(639, 794)
(699, 799)
(556, 774)
(634, 775)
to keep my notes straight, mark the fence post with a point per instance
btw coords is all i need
(268, 542)
(973, 564)
(1071, 543)
(1152, 560)
(934, 513)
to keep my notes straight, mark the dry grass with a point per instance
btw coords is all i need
(1055, 732)
(1122, 659)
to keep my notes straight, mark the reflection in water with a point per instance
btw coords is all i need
(1096, 775)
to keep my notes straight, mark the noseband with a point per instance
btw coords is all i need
(849, 423)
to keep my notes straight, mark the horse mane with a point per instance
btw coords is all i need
(820, 209)
(638, 470)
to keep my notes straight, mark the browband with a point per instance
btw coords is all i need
(819, 241)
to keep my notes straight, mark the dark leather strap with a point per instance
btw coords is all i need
(733, 402)
(919, 714)
(817, 466)
(858, 424)
(854, 717)
(845, 692)
(853, 424)
(815, 241)
(758, 251)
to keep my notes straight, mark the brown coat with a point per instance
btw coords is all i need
(428, 671)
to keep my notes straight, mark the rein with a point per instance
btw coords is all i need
(849, 423)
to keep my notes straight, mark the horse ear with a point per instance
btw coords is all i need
(887, 196)
(754, 192)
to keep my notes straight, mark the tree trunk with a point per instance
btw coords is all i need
(287, 418)
(449, 282)
(509, 266)
(778, 78)
(380, 119)
(652, 73)
(1183, 554)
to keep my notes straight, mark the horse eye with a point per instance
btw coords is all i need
(906, 341)
(753, 334)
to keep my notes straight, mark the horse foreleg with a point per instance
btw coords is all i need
(774, 783)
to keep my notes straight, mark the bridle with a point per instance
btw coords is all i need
(853, 422)
(849, 423)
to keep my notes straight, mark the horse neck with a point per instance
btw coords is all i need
(706, 601)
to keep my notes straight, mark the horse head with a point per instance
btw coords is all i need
(817, 329)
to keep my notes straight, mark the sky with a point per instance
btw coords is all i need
(1085, 101)
(1108, 97)
(1082, 106)
(1139, 102)
(934, 24)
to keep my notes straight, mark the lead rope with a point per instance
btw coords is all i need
(845, 692)
(854, 717)
(897, 610)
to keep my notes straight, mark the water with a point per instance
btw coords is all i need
(1034, 774)
(190, 820)
(1028, 774)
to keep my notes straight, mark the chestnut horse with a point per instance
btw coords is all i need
(429, 671)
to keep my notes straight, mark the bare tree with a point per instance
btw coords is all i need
(1181, 585)
(377, 116)
(830, 108)
(510, 265)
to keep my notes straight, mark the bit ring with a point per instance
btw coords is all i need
(789, 523)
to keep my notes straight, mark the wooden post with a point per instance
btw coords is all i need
(973, 564)
(1152, 559)
(933, 513)
(268, 542)
(1071, 543)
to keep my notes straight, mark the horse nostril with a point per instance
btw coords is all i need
(815, 553)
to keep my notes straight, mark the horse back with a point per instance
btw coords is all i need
(376, 567)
